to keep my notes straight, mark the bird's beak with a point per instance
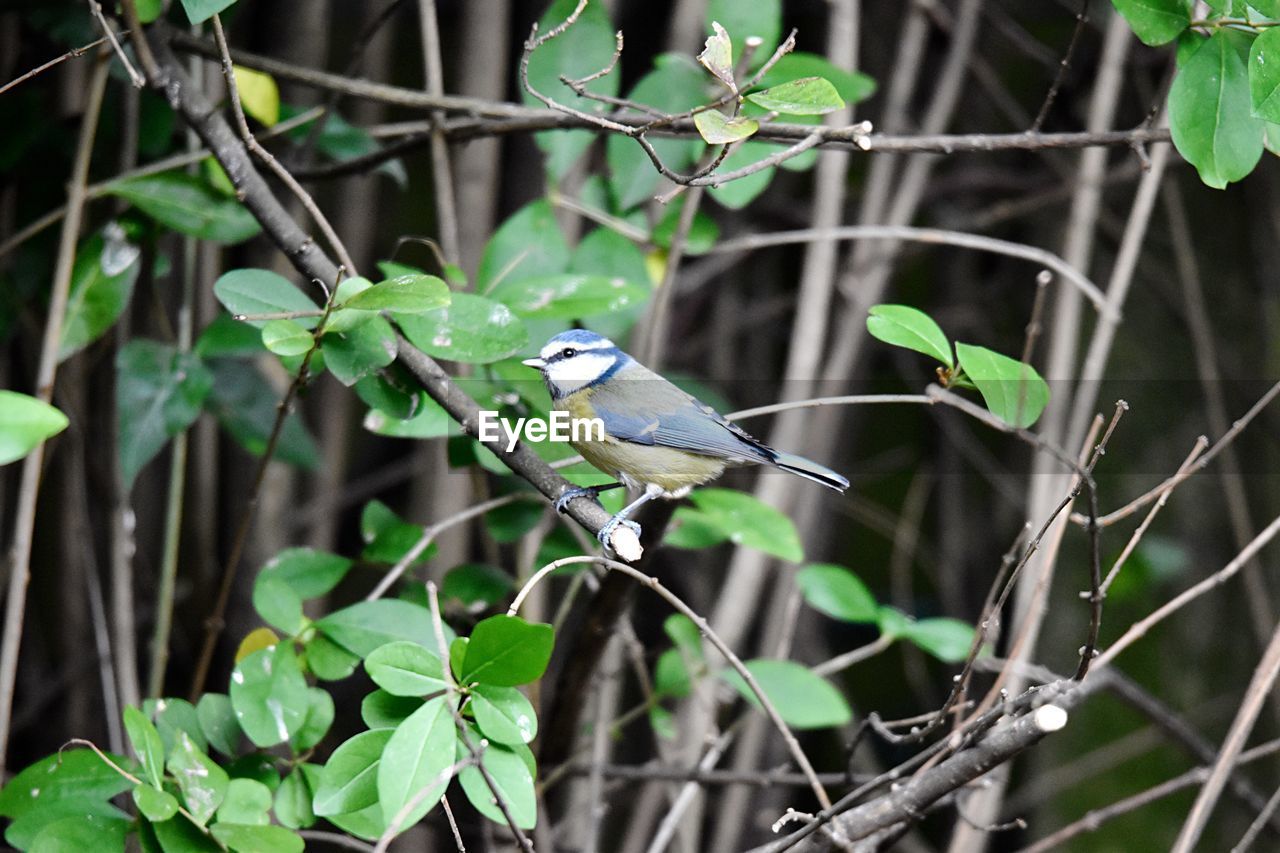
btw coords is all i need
(536, 363)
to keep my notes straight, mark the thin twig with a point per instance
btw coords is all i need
(1259, 823)
(74, 53)
(1082, 18)
(95, 8)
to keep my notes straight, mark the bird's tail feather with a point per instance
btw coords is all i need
(810, 470)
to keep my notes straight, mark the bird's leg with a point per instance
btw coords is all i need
(593, 492)
(651, 491)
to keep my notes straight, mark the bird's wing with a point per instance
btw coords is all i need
(640, 407)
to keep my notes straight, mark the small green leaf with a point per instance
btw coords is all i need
(188, 204)
(173, 717)
(309, 572)
(458, 655)
(837, 592)
(802, 699)
(259, 94)
(102, 280)
(202, 782)
(389, 538)
(568, 295)
(329, 661)
(904, 326)
(154, 804)
(851, 86)
(247, 801)
(671, 676)
(717, 56)
(503, 714)
(24, 423)
(1211, 112)
(512, 776)
(269, 695)
(287, 337)
(349, 781)
(744, 520)
(702, 236)
(159, 393)
(405, 294)
(225, 336)
(293, 798)
(528, 244)
(507, 651)
(406, 669)
(381, 710)
(808, 96)
(421, 749)
(471, 329)
(278, 604)
(360, 351)
(948, 640)
(199, 11)
(1012, 390)
(893, 622)
(319, 719)
(1264, 75)
(146, 743)
(366, 625)
(1155, 22)
(250, 838)
(246, 406)
(72, 783)
(685, 634)
(718, 129)
(218, 722)
(740, 192)
(254, 291)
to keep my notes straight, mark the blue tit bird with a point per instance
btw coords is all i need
(657, 439)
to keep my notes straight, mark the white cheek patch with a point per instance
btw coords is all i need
(572, 373)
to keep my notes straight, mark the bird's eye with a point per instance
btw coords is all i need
(568, 352)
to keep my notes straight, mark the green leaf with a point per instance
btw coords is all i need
(226, 336)
(81, 832)
(349, 781)
(218, 722)
(904, 326)
(717, 56)
(269, 695)
(327, 660)
(154, 804)
(149, 10)
(361, 351)
(893, 622)
(258, 766)
(759, 18)
(24, 423)
(287, 337)
(802, 699)
(477, 584)
(808, 96)
(473, 330)
(852, 86)
(173, 718)
(745, 521)
(512, 776)
(188, 204)
(245, 404)
(102, 280)
(365, 626)
(405, 294)
(254, 291)
(202, 782)
(569, 295)
(684, 633)
(580, 51)
(293, 797)
(342, 319)
(278, 604)
(837, 592)
(674, 86)
(421, 749)
(1211, 112)
(316, 724)
(247, 801)
(406, 669)
(503, 714)
(199, 11)
(71, 783)
(1155, 22)
(146, 743)
(1264, 75)
(309, 572)
(671, 676)
(718, 129)
(388, 538)
(702, 235)
(259, 94)
(948, 640)
(339, 140)
(381, 710)
(248, 838)
(528, 244)
(739, 193)
(506, 651)
(1012, 390)
(159, 393)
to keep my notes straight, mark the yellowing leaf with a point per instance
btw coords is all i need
(259, 95)
(256, 640)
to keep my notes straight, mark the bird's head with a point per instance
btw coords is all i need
(577, 359)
